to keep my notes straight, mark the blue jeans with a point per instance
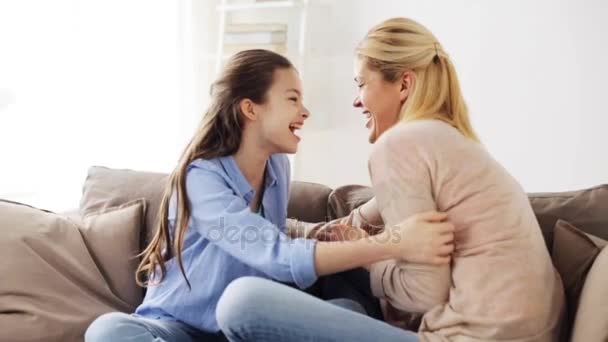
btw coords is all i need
(257, 309)
(122, 327)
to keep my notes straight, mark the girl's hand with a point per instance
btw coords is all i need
(425, 238)
(342, 232)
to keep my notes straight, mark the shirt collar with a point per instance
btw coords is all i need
(271, 175)
(242, 185)
(234, 172)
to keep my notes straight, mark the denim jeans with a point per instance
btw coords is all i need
(257, 309)
(122, 327)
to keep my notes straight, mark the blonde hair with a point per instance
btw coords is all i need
(400, 44)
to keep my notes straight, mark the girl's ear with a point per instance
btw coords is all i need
(248, 109)
(407, 83)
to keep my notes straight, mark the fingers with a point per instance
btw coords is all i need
(446, 228)
(446, 250)
(446, 237)
(441, 260)
(432, 216)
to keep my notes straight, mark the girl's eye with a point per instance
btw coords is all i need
(294, 99)
(360, 85)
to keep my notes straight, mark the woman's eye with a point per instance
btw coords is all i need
(360, 85)
(294, 99)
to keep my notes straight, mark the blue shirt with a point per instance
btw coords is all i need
(225, 240)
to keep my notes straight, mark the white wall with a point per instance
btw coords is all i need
(533, 73)
(124, 85)
(85, 83)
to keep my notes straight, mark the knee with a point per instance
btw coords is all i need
(108, 327)
(241, 300)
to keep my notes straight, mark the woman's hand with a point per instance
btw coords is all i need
(425, 238)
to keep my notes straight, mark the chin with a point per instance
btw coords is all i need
(372, 136)
(289, 149)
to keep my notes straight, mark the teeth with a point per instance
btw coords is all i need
(293, 128)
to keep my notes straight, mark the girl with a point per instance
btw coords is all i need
(223, 213)
(501, 284)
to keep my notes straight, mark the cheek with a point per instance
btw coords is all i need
(388, 108)
(367, 98)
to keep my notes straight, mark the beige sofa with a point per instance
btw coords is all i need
(61, 271)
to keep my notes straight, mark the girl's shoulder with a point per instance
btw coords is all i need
(214, 164)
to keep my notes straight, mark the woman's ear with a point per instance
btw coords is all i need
(248, 109)
(407, 83)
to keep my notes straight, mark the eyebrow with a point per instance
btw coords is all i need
(357, 79)
(294, 90)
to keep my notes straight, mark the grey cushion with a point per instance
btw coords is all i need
(59, 275)
(105, 188)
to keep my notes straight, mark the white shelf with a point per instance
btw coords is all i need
(230, 49)
(250, 28)
(257, 5)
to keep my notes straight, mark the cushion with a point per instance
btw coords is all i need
(112, 236)
(591, 323)
(308, 201)
(105, 187)
(573, 254)
(586, 209)
(59, 275)
(346, 198)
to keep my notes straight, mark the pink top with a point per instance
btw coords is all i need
(501, 284)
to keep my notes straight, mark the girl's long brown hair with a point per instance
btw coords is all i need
(247, 75)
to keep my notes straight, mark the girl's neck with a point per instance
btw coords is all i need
(251, 159)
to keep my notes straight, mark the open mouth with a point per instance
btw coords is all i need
(294, 127)
(368, 118)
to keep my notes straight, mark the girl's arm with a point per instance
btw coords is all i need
(366, 217)
(424, 238)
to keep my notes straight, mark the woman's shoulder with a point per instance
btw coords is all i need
(420, 130)
(419, 135)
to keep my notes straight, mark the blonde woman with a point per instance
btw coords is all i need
(500, 285)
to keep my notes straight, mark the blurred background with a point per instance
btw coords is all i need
(124, 83)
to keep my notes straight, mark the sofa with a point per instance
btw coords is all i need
(60, 271)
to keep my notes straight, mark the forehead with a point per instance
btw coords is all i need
(361, 68)
(287, 79)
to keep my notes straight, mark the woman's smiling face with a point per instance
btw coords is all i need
(379, 99)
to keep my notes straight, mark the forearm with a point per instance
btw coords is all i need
(333, 257)
(301, 229)
(410, 287)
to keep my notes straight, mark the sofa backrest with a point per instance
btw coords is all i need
(104, 187)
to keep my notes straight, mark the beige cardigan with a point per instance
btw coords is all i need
(501, 284)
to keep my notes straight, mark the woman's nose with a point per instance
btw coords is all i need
(357, 102)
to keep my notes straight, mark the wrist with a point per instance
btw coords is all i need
(383, 246)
